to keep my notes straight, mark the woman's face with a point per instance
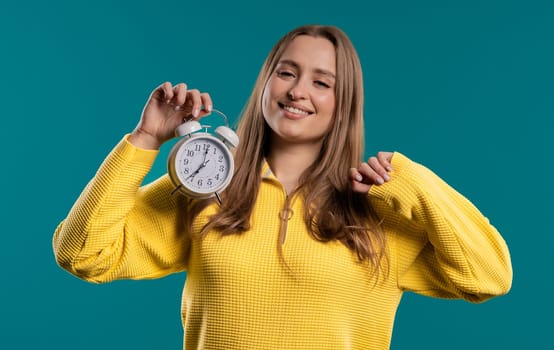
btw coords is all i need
(298, 101)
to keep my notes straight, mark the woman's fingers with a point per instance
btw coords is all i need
(207, 103)
(179, 95)
(376, 170)
(373, 172)
(385, 160)
(195, 102)
(167, 91)
(168, 106)
(191, 101)
(356, 180)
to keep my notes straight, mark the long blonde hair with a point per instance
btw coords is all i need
(335, 211)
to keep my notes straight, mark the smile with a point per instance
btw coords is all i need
(294, 110)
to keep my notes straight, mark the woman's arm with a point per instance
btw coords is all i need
(442, 244)
(118, 230)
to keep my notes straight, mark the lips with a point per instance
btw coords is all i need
(294, 109)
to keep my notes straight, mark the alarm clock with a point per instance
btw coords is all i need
(201, 164)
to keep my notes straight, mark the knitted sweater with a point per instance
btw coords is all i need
(238, 294)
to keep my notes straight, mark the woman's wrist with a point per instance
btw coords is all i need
(144, 140)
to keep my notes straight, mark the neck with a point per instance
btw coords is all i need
(289, 161)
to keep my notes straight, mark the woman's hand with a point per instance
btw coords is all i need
(373, 172)
(167, 108)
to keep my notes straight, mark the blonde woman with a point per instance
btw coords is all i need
(311, 248)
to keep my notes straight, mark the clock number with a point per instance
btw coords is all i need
(186, 171)
(221, 168)
(190, 153)
(197, 148)
(200, 182)
(185, 161)
(220, 159)
(217, 176)
(210, 182)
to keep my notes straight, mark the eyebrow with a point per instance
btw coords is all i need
(317, 70)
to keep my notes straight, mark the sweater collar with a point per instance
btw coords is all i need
(266, 171)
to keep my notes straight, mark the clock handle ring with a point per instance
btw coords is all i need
(217, 111)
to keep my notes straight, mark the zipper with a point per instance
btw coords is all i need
(285, 215)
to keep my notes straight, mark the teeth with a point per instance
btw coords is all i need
(295, 110)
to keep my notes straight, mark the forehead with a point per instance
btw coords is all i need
(313, 53)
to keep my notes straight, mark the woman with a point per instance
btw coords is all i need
(310, 249)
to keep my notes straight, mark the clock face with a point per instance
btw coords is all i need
(203, 164)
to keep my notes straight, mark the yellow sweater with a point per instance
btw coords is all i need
(237, 293)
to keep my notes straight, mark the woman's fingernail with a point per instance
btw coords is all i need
(209, 108)
(380, 181)
(386, 177)
(359, 178)
(195, 112)
(389, 168)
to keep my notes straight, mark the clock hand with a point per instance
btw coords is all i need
(205, 154)
(194, 173)
(203, 165)
(204, 162)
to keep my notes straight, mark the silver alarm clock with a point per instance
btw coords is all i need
(200, 164)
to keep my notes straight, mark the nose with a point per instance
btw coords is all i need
(297, 91)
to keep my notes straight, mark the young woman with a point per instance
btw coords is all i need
(310, 249)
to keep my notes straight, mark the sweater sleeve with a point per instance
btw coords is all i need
(441, 245)
(119, 230)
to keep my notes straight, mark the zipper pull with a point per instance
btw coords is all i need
(286, 214)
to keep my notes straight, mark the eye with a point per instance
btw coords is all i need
(285, 74)
(322, 84)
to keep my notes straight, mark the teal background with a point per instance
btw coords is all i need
(464, 87)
